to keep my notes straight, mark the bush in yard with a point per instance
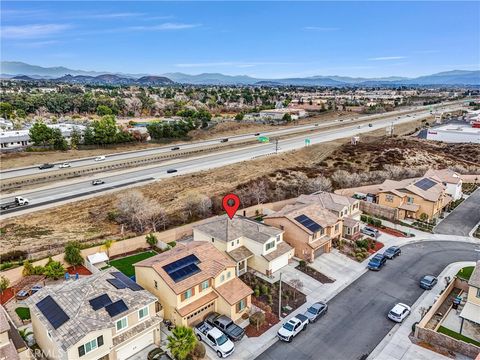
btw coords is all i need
(302, 263)
(54, 270)
(172, 244)
(151, 240)
(199, 351)
(182, 342)
(257, 319)
(256, 292)
(264, 289)
(359, 257)
(270, 300)
(363, 218)
(4, 283)
(362, 243)
(73, 255)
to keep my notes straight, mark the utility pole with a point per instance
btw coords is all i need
(280, 298)
(276, 146)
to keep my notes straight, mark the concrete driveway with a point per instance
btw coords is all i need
(357, 318)
(463, 219)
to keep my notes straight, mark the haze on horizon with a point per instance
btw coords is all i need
(259, 39)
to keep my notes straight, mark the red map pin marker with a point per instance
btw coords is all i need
(231, 203)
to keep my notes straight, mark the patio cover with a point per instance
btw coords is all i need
(471, 312)
(97, 258)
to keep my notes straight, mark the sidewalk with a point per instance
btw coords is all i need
(396, 345)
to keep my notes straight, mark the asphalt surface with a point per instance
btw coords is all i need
(357, 317)
(463, 219)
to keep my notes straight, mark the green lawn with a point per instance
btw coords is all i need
(23, 313)
(125, 264)
(465, 272)
(457, 336)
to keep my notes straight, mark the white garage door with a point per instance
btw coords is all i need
(135, 346)
(279, 262)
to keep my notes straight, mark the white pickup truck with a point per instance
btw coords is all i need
(292, 327)
(214, 338)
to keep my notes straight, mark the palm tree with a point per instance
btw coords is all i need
(25, 333)
(182, 342)
(107, 245)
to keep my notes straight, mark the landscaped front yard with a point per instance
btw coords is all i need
(465, 273)
(125, 265)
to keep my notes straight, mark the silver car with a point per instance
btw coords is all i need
(316, 311)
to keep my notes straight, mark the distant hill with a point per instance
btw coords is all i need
(23, 71)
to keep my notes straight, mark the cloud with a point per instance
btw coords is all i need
(386, 58)
(32, 31)
(113, 15)
(320, 28)
(165, 27)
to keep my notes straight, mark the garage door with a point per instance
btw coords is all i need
(320, 251)
(279, 262)
(200, 314)
(135, 346)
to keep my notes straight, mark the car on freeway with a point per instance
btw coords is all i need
(369, 231)
(292, 327)
(377, 262)
(224, 140)
(257, 134)
(392, 252)
(98, 182)
(64, 165)
(316, 311)
(428, 282)
(399, 312)
(100, 158)
(175, 148)
(46, 166)
(370, 125)
(316, 124)
(169, 171)
(226, 325)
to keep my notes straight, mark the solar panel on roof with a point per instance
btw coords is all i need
(118, 284)
(184, 272)
(127, 281)
(425, 184)
(178, 264)
(53, 312)
(116, 308)
(100, 302)
(308, 223)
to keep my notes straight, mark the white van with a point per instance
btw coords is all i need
(100, 158)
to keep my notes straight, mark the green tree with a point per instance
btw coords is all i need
(107, 245)
(73, 255)
(6, 110)
(27, 268)
(20, 113)
(88, 136)
(182, 342)
(287, 117)
(75, 138)
(54, 270)
(239, 116)
(58, 141)
(103, 110)
(4, 284)
(41, 134)
(151, 240)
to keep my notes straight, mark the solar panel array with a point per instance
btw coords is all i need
(100, 302)
(117, 283)
(182, 268)
(308, 223)
(116, 308)
(53, 312)
(129, 283)
(425, 184)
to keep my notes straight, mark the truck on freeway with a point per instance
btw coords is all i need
(18, 201)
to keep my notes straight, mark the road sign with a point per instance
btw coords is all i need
(264, 139)
(307, 142)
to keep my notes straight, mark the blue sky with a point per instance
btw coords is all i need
(262, 39)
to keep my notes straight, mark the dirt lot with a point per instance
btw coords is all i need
(88, 220)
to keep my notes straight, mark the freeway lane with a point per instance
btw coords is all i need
(11, 173)
(81, 188)
(357, 317)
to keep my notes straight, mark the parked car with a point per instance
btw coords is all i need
(169, 171)
(214, 338)
(226, 325)
(316, 311)
(292, 327)
(392, 252)
(35, 288)
(224, 140)
(22, 295)
(100, 158)
(46, 166)
(175, 148)
(98, 182)
(369, 231)
(428, 282)
(377, 262)
(64, 165)
(399, 312)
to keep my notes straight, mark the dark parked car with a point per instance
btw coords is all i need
(226, 325)
(428, 282)
(169, 171)
(35, 288)
(98, 182)
(377, 262)
(316, 311)
(224, 140)
(175, 148)
(392, 251)
(46, 166)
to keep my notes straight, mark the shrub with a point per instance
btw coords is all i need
(172, 244)
(257, 319)
(256, 292)
(6, 265)
(270, 300)
(363, 218)
(302, 263)
(199, 351)
(264, 289)
(14, 255)
(362, 243)
(359, 257)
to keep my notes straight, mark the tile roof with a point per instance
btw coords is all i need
(445, 175)
(234, 290)
(316, 212)
(350, 222)
(409, 207)
(212, 262)
(240, 253)
(475, 277)
(403, 187)
(224, 229)
(73, 297)
(319, 242)
(328, 200)
(282, 248)
(4, 325)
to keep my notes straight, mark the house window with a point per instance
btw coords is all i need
(478, 293)
(222, 278)
(233, 243)
(409, 200)
(228, 275)
(238, 241)
(241, 305)
(187, 294)
(155, 284)
(389, 198)
(204, 285)
(213, 239)
(269, 245)
(282, 227)
(122, 324)
(336, 227)
(90, 346)
(278, 238)
(142, 313)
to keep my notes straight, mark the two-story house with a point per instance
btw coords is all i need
(103, 316)
(12, 346)
(248, 242)
(412, 198)
(471, 309)
(309, 228)
(192, 280)
(344, 207)
(450, 179)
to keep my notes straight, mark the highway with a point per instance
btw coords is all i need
(31, 170)
(76, 189)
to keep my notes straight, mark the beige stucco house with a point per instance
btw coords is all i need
(12, 346)
(102, 316)
(471, 310)
(309, 228)
(451, 179)
(193, 280)
(249, 243)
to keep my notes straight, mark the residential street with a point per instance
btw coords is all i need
(462, 220)
(356, 321)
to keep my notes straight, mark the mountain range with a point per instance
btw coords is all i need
(23, 71)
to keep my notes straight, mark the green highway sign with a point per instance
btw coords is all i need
(263, 139)
(307, 142)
